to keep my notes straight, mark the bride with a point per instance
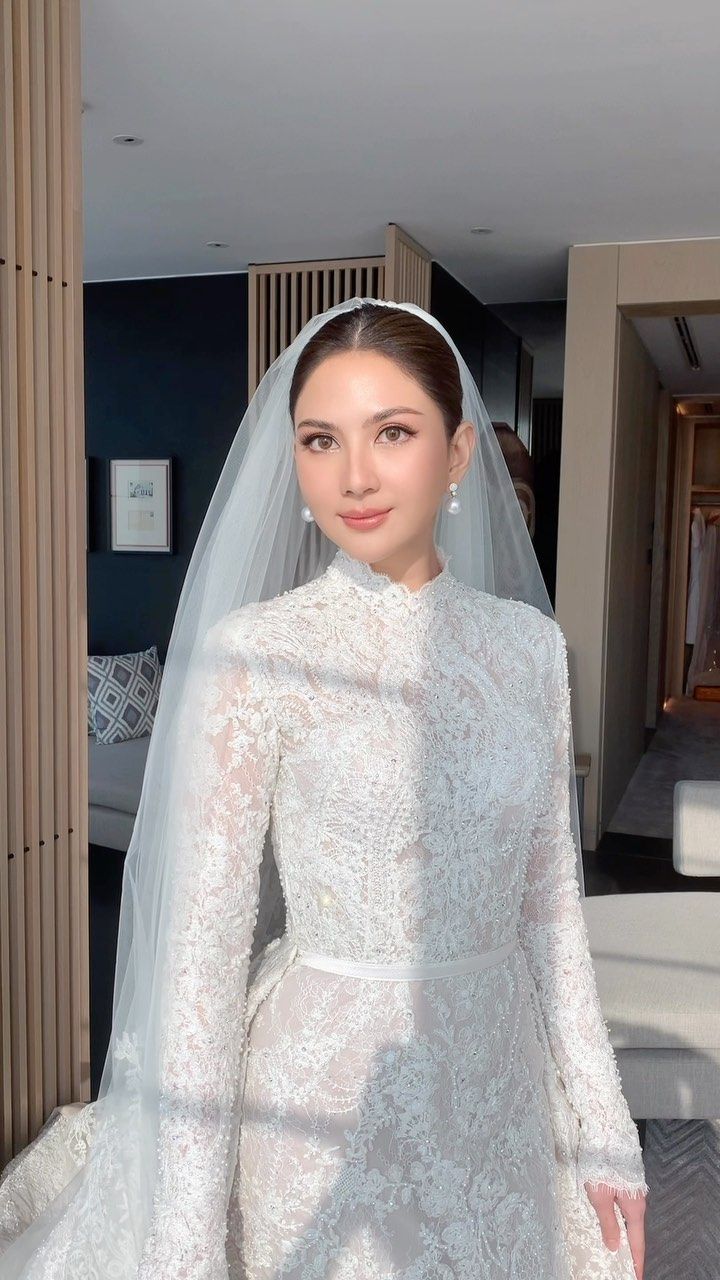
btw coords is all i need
(365, 691)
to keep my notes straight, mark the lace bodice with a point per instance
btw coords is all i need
(408, 750)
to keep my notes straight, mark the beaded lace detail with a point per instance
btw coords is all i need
(389, 593)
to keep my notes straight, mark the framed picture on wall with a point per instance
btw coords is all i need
(141, 504)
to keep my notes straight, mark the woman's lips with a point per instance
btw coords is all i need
(367, 522)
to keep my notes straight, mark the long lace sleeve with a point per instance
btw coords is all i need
(555, 941)
(225, 818)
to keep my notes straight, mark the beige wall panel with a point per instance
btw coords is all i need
(585, 478)
(632, 503)
(675, 274)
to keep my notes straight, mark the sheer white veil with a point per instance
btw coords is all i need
(253, 545)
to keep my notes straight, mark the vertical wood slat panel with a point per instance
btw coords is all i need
(305, 312)
(294, 293)
(11, 722)
(70, 58)
(272, 317)
(305, 298)
(284, 313)
(298, 291)
(44, 979)
(408, 268)
(61, 646)
(261, 329)
(279, 292)
(44, 566)
(253, 335)
(30, 894)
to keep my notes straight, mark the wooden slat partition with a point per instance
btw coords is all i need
(408, 268)
(44, 980)
(283, 296)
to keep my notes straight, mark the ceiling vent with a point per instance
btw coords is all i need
(687, 341)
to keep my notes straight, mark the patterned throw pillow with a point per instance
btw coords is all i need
(90, 722)
(123, 692)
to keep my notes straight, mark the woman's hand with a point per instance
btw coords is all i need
(632, 1209)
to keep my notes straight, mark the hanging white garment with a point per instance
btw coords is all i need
(703, 667)
(697, 534)
(426, 1077)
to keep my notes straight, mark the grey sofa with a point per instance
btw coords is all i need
(657, 961)
(115, 774)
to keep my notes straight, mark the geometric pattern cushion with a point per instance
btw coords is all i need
(123, 691)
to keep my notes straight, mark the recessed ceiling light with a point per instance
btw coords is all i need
(481, 231)
(127, 139)
(216, 244)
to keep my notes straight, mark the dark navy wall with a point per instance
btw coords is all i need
(165, 376)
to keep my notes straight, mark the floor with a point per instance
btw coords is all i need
(686, 744)
(635, 852)
(682, 1223)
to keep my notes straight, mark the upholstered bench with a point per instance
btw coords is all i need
(657, 962)
(696, 827)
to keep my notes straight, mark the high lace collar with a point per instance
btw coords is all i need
(384, 590)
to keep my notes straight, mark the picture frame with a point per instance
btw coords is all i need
(140, 492)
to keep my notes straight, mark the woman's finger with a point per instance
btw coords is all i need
(633, 1211)
(602, 1200)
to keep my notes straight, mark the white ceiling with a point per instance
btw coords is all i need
(296, 129)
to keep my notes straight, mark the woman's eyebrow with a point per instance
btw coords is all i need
(376, 417)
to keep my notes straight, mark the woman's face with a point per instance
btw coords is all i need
(367, 437)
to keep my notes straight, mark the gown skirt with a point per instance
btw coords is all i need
(397, 1123)
(406, 1121)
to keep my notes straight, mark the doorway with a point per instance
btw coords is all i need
(619, 595)
(683, 653)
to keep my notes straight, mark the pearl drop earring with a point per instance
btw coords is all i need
(307, 514)
(452, 504)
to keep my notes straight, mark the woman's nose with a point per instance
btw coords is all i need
(359, 476)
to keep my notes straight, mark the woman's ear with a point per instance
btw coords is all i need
(461, 449)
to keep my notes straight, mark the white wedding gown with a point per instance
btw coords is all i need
(428, 1080)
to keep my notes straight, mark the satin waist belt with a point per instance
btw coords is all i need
(431, 969)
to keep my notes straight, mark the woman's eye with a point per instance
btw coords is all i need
(309, 441)
(397, 427)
